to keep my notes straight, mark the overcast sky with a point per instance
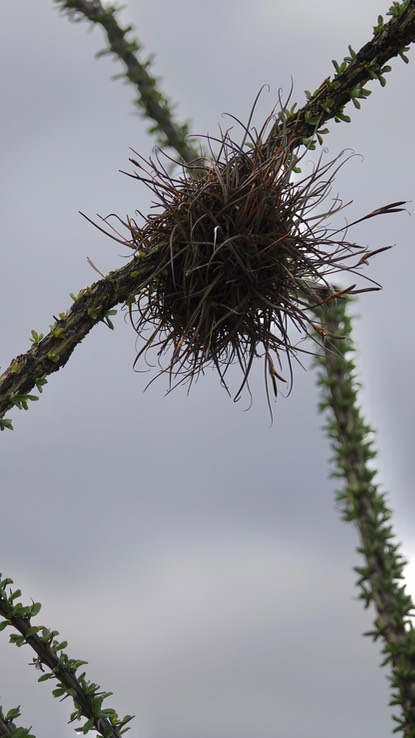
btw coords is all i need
(190, 552)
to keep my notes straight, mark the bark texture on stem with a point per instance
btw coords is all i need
(52, 352)
(348, 85)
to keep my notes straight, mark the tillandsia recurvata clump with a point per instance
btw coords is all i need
(244, 251)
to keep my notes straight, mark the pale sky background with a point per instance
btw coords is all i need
(190, 552)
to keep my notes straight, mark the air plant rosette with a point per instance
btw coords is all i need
(243, 252)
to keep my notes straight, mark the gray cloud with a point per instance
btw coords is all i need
(191, 552)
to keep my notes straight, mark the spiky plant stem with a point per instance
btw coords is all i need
(53, 662)
(50, 353)
(152, 103)
(364, 504)
(349, 84)
(390, 39)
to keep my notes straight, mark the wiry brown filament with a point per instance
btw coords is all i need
(243, 251)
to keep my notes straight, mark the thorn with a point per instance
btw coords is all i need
(91, 263)
(338, 293)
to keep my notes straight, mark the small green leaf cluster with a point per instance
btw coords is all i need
(8, 726)
(98, 712)
(21, 401)
(127, 48)
(36, 337)
(99, 15)
(310, 142)
(95, 312)
(107, 318)
(40, 383)
(395, 10)
(53, 356)
(77, 297)
(322, 109)
(6, 423)
(9, 608)
(376, 71)
(285, 114)
(373, 69)
(359, 91)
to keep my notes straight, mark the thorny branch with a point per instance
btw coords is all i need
(153, 103)
(363, 503)
(53, 351)
(86, 696)
(354, 72)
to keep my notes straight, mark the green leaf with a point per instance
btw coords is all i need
(13, 714)
(87, 726)
(40, 383)
(36, 337)
(35, 608)
(19, 733)
(76, 297)
(45, 677)
(18, 640)
(342, 117)
(59, 691)
(33, 630)
(5, 423)
(94, 312)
